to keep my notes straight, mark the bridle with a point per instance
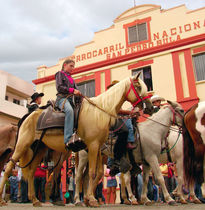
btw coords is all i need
(175, 113)
(139, 98)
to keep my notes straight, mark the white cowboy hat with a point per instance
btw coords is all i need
(157, 98)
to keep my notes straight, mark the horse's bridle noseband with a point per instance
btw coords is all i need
(140, 98)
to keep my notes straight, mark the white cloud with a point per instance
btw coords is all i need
(36, 32)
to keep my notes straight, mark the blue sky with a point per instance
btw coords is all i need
(39, 32)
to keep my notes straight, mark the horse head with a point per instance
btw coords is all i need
(137, 95)
(178, 113)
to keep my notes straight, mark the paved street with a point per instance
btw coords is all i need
(12, 206)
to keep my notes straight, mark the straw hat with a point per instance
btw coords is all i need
(157, 98)
(113, 83)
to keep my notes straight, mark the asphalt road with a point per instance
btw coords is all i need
(16, 206)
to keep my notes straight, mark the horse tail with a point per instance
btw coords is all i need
(189, 156)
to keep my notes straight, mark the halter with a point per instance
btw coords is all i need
(140, 99)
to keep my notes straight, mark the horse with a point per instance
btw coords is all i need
(7, 143)
(175, 145)
(82, 175)
(194, 144)
(93, 128)
(152, 133)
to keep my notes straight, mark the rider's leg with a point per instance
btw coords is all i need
(69, 118)
(131, 136)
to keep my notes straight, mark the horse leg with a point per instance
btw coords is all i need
(123, 190)
(83, 160)
(193, 197)
(153, 161)
(99, 172)
(132, 198)
(144, 199)
(178, 190)
(29, 171)
(93, 150)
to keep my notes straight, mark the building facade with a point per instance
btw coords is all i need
(13, 98)
(167, 46)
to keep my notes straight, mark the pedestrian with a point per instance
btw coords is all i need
(14, 183)
(40, 182)
(111, 186)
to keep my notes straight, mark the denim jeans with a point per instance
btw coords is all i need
(131, 136)
(69, 118)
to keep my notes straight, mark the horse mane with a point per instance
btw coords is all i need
(107, 101)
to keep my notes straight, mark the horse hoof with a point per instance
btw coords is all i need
(183, 202)
(148, 203)
(37, 204)
(58, 203)
(93, 204)
(134, 203)
(126, 202)
(197, 201)
(3, 203)
(80, 204)
(172, 203)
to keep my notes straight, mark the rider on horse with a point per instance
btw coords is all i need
(66, 87)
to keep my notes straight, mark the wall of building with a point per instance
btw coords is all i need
(14, 88)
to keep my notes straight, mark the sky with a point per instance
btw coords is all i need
(40, 32)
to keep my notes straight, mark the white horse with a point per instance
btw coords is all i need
(175, 143)
(151, 136)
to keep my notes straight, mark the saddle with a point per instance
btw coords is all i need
(52, 117)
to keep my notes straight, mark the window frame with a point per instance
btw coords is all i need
(196, 72)
(134, 23)
(86, 82)
(142, 75)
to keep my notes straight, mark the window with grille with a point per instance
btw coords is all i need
(87, 88)
(137, 33)
(199, 64)
(146, 76)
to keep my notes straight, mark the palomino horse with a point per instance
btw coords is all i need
(93, 127)
(152, 133)
(175, 142)
(81, 175)
(194, 143)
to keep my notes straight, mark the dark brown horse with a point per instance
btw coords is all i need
(194, 143)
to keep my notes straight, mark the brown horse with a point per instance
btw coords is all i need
(7, 143)
(93, 127)
(194, 143)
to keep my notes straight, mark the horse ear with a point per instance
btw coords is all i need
(137, 76)
(174, 105)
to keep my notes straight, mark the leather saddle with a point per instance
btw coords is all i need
(52, 117)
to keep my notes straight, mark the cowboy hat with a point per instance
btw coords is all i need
(157, 98)
(113, 83)
(36, 95)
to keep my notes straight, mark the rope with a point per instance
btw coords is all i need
(168, 150)
(170, 127)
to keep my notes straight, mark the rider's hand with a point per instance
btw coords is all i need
(77, 92)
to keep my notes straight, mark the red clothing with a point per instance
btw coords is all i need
(40, 172)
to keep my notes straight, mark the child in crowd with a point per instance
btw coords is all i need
(14, 182)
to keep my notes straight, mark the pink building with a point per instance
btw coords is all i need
(14, 93)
